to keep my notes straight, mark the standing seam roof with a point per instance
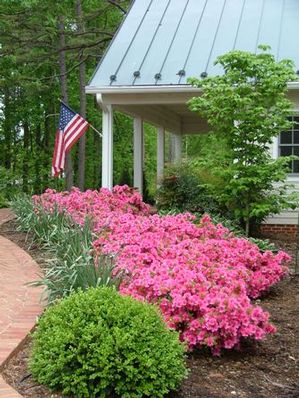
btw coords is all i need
(162, 42)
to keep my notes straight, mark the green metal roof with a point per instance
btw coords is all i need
(162, 42)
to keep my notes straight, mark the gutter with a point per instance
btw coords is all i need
(141, 89)
(180, 88)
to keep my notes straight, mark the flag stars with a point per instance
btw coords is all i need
(66, 115)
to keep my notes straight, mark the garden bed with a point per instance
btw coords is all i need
(261, 369)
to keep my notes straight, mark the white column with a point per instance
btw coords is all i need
(138, 154)
(177, 148)
(160, 153)
(107, 147)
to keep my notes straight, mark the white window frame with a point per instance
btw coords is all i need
(292, 177)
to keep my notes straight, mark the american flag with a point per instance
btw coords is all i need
(71, 127)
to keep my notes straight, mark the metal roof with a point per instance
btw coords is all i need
(162, 42)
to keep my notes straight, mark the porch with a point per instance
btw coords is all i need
(163, 107)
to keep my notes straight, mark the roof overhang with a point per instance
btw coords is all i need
(163, 105)
(156, 89)
(141, 89)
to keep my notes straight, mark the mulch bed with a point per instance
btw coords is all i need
(267, 369)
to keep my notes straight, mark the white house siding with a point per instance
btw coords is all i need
(287, 217)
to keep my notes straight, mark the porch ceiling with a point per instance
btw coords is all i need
(168, 110)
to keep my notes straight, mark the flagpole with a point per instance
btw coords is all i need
(90, 125)
(97, 131)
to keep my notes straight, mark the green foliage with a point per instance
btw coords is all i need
(186, 187)
(72, 265)
(3, 202)
(100, 344)
(247, 107)
(30, 86)
(9, 184)
(264, 245)
(235, 228)
(229, 223)
(23, 208)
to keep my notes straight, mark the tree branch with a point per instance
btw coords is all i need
(114, 3)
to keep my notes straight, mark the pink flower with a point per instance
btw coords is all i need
(201, 276)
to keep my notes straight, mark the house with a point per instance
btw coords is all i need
(163, 42)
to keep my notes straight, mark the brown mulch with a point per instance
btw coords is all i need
(266, 369)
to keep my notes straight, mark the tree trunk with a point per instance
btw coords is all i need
(37, 160)
(247, 219)
(26, 141)
(82, 79)
(7, 130)
(64, 94)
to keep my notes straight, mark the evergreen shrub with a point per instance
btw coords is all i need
(185, 188)
(98, 343)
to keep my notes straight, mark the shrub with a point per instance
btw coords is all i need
(184, 189)
(98, 206)
(98, 343)
(202, 277)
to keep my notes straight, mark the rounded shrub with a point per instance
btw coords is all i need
(98, 343)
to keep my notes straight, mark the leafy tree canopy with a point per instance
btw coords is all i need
(247, 106)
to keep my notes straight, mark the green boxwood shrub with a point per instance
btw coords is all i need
(98, 343)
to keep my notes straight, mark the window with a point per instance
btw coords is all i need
(289, 143)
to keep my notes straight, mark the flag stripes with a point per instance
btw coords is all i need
(71, 127)
(74, 131)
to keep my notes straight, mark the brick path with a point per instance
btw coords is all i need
(19, 304)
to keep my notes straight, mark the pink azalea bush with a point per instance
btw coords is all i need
(98, 206)
(201, 276)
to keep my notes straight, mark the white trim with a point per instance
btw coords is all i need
(141, 89)
(291, 177)
(138, 154)
(160, 154)
(275, 145)
(173, 88)
(177, 148)
(107, 147)
(293, 85)
(101, 103)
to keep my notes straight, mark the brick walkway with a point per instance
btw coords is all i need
(19, 304)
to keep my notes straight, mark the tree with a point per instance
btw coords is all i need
(248, 107)
(34, 63)
(82, 83)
